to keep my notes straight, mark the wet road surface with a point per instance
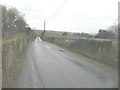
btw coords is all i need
(46, 66)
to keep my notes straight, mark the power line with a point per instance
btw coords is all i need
(58, 10)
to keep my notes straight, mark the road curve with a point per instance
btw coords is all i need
(47, 66)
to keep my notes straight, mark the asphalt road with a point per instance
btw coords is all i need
(48, 67)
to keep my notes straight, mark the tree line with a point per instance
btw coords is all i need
(13, 22)
(110, 33)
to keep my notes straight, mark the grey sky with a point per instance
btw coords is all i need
(75, 16)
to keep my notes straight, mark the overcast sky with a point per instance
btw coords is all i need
(72, 15)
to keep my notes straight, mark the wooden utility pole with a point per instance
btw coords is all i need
(44, 25)
(43, 33)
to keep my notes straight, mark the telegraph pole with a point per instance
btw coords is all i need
(43, 33)
(44, 25)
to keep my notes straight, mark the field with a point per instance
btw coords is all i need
(102, 50)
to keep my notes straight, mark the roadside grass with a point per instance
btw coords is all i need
(12, 65)
(108, 55)
(14, 71)
(13, 39)
(16, 68)
(99, 56)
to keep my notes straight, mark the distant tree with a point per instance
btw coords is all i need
(65, 34)
(100, 30)
(84, 35)
(104, 34)
(78, 34)
(96, 36)
(114, 30)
